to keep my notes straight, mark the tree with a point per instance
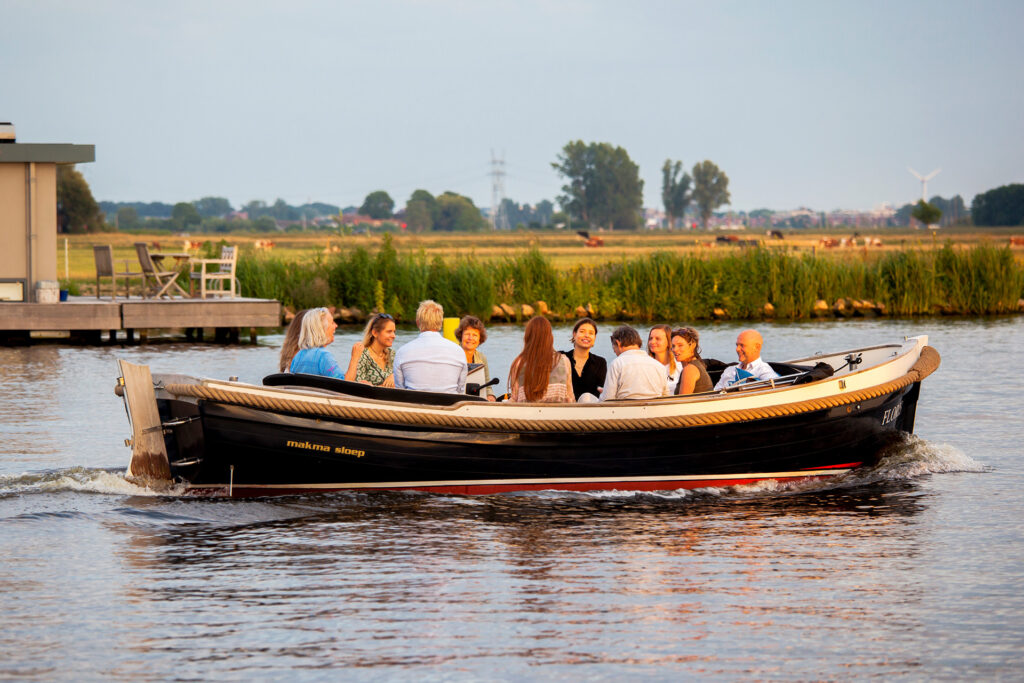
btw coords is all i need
(127, 218)
(675, 191)
(710, 189)
(378, 205)
(77, 210)
(212, 207)
(1001, 206)
(185, 215)
(455, 212)
(929, 214)
(420, 211)
(604, 187)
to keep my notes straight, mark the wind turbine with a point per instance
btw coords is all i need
(924, 181)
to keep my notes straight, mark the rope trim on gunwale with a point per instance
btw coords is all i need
(926, 364)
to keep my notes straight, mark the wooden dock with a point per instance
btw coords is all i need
(88, 318)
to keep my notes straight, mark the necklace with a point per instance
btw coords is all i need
(380, 357)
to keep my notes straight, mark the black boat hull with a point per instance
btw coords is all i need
(245, 451)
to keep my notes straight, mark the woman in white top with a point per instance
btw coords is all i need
(659, 341)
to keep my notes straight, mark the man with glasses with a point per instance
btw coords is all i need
(430, 362)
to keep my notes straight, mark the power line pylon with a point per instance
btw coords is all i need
(499, 219)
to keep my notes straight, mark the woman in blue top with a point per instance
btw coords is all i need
(317, 332)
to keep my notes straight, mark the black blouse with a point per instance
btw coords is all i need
(592, 377)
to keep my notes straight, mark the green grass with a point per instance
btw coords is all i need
(662, 285)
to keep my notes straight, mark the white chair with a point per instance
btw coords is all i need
(216, 276)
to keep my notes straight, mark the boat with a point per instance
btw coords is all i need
(824, 416)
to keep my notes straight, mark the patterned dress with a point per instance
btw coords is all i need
(367, 369)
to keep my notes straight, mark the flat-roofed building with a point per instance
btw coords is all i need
(28, 211)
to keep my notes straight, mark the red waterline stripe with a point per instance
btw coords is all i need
(849, 465)
(485, 489)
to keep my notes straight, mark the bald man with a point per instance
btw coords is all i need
(751, 368)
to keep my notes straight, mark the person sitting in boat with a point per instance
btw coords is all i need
(290, 346)
(659, 341)
(373, 359)
(751, 367)
(693, 376)
(430, 362)
(633, 374)
(539, 373)
(317, 332)
(588, 369)
(471, 334)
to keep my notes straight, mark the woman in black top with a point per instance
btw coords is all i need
(588, 369)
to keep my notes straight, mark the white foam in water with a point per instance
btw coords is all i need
(79, 479)
(917, 457)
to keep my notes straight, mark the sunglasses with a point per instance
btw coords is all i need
(384, 316)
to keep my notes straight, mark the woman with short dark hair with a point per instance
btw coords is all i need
(588, 369)
(540, 374)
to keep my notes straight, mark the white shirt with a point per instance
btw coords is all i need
(634, 374)
(757, 367)
(431, 363)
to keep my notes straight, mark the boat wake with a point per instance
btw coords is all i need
(911, 458)
(77, 479)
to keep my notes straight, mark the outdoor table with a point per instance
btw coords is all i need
(181, 262)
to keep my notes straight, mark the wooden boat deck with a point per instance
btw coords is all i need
(88, 316)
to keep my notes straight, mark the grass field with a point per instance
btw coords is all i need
(564, 250)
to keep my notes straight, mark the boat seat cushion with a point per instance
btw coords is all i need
(360, 390)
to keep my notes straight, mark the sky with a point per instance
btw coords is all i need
(818, 104)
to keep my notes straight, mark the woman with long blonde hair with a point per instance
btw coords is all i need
(539, 373)
(659, 347)
(373, 359)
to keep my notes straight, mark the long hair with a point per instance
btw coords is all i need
(290, 346)
(313, 334)
(691, 335)
(667, 329)
(537, 359)
(376, 323)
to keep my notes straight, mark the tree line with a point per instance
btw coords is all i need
(602, 189)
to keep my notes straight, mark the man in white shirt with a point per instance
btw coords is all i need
(430, 362)
(751, 367)
(633, 374)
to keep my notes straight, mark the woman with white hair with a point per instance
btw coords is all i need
(317, 332)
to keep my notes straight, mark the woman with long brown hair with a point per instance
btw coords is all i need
(290, 346)
(540, 374)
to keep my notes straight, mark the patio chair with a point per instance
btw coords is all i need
(104, 257)
(216, 277)
(158, 280)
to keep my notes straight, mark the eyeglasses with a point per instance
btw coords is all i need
(384, 316)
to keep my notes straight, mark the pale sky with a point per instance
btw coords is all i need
(818, 104)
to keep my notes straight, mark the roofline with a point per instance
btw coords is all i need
(47, 153)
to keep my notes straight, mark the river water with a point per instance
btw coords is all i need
(914, 570)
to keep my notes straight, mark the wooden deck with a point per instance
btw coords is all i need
(89, 317)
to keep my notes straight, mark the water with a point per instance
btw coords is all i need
(914, 570)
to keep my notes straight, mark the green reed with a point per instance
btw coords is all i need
(658, 286)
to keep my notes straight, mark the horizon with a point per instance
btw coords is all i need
(800, 104)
